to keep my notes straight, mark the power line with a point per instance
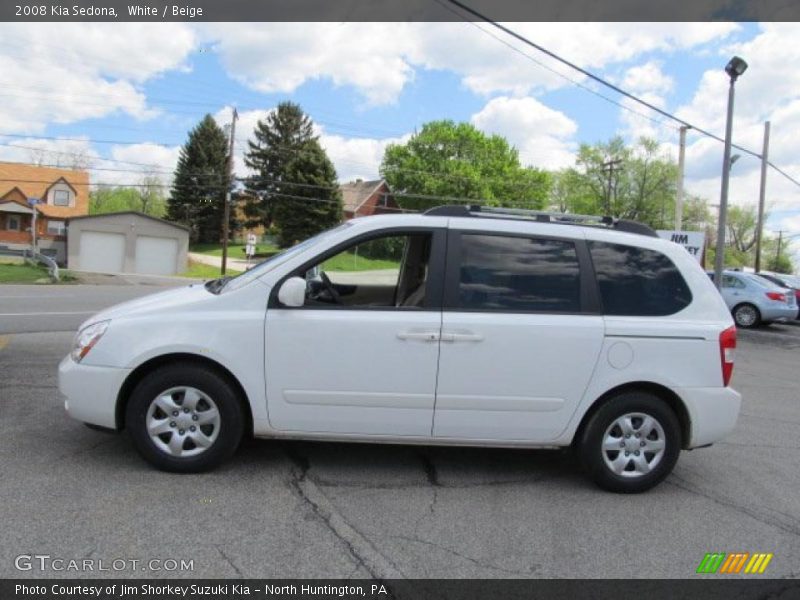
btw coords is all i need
(602, 81)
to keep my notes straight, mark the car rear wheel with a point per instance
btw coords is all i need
(746, 315)
(631, 443)
(185, 418)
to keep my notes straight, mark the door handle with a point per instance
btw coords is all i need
(423, 336)
(462, 336)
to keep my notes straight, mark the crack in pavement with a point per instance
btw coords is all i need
(433, 479)
(686, 486)
(360, 548)
(485, 565)
(229, 561)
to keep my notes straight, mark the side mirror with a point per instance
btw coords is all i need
(293, 292)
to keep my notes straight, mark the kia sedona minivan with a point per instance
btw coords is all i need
(460, 326)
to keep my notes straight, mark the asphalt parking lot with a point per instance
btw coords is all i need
(296, 509)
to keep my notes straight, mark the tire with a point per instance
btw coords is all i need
(610, 468)
(746, 316)
(185, 418)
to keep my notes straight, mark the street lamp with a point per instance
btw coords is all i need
(735, 67)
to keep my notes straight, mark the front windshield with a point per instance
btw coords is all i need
(277, 259)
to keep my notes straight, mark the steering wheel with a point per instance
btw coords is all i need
(329, 286)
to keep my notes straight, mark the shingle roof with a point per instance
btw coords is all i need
(34, 182)
(355, 193)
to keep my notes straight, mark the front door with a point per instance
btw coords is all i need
(519, 343)
(360, 357)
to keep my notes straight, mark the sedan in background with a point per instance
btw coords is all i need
(754, 300)
(788, 281)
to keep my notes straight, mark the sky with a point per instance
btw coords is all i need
(126, 94)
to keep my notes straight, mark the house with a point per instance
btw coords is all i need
(363, 198)
(58, 194)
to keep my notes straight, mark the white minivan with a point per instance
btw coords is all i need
(460, 326)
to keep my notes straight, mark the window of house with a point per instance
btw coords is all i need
(636, 281)
(56, 227)
(388, 271)
(12, 223)
(61, 197)
(518, 274)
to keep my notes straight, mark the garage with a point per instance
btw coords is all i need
(126, 242)
(102, 252)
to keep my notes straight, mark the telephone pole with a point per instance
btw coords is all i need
(227, 211)
(778, 253)
(762, 192)
(609, 167)
(681, 163)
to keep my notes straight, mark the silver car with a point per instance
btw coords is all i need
(754, 300)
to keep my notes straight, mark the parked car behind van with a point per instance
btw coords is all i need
(754, 300)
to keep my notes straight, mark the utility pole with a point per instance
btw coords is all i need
(227, 212)
(610, 167)
(681, 164)
(778, 253)
(762, 192)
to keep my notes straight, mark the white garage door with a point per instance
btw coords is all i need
(156, 256)
(102, 252)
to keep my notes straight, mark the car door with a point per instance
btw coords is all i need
(733, 290)
(521, 334)
(360, 356)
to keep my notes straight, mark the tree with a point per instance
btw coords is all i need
(148, 198)
(295, 181)
(631, 182)
(456, 160)
(197, 198)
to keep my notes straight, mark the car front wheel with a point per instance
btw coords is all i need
(184, 418)
(631, 443)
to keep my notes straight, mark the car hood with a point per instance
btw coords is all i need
(153, 303)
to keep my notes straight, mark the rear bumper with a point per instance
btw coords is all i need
(91, 392)
(712, 413)
(778, 313)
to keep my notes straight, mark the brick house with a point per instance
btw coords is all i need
(62, 193)
(363, 198)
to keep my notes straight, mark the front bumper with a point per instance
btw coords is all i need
(91, 392)
(712, 412)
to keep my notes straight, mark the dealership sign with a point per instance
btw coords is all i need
(693, 241)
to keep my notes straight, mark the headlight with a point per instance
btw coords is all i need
(87, 338)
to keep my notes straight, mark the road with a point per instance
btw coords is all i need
(297, 509)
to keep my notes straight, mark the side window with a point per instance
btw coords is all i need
(518, 274)
(388, 271)
(729, 281)
(638, 282)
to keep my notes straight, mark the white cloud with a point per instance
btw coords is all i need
(66, 72)
(543, 136)
(380, 59)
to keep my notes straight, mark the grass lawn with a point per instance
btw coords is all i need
(353, 262)
(21, 273)
(200, 271)
(234, 250)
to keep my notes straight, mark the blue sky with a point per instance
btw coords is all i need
(130, 92)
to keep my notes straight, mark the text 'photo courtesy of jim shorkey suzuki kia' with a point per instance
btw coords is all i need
(460, 326)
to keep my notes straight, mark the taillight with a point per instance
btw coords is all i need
(776, 296)
(727, 347)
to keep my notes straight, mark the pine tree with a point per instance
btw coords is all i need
(198, 189)
(295, 180)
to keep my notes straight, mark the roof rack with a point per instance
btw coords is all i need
(522, 214)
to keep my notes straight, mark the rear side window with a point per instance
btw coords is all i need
(637, 281)
(518, 274)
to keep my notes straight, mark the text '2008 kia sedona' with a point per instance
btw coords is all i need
(462, 326)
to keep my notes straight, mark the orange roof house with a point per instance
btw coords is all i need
(61, 193)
